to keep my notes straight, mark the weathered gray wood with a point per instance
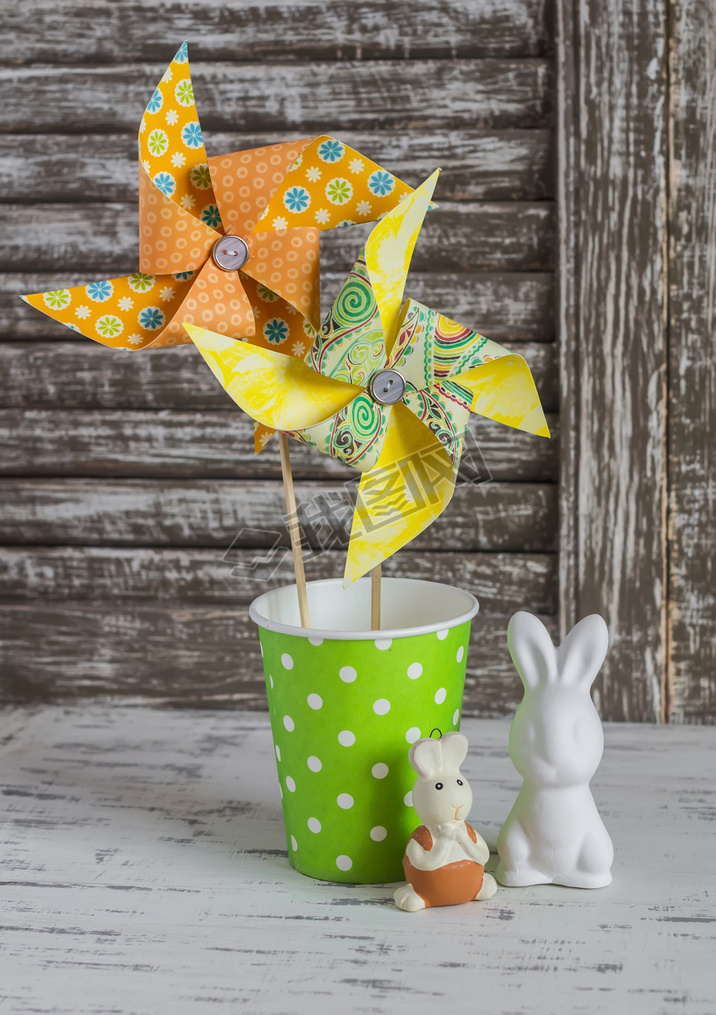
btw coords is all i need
(502, 236)
(39, 442)
(183, 654)
(269, 96)
(620, 346)
(692, 365)
(504, 306)
(503, 582)
(145, 870)
(477, 165)
(567, 309)
(86, 375)
(520, 517)
(398, 81)
(39, 30)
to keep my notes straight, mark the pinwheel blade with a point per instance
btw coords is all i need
(216, 300)
(388, 251)
(504, 390)
(398, 499)
(277, 325)
(245, 182)
(354, 436)
(331, 184)
(361, 326)
(179, 219)
(350, 345)
(278, 391)
(497, 382)
(133, 312)
(171, 238)
(287, 262)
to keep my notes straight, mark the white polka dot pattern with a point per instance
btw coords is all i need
(340, 714)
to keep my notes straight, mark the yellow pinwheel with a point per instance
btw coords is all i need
(385, 389)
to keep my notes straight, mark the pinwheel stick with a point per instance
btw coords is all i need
(293, 530)
(375, 598)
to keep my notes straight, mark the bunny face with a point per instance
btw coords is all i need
(441, 793)
(556, 737)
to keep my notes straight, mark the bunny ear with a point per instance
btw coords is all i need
(532, 651)
(582, 652)
(454, 750)
(426, 757)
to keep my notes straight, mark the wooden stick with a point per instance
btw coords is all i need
(375, 598)
(293, 530)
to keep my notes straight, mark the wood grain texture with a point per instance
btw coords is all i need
(509, 236)
(213, 444)
(517, 305)
(147, 849)
(86, 375)
(38, 30)
(322, 97)
(182, 654)
(519, 517)
(126, 479)
(620, 340)
(477, 165)
(567, 307)
(692, 364)
(85, 573)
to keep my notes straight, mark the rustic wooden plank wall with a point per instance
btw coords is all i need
(637, 231)
(623, 332)
(124, 478)
(692, 364)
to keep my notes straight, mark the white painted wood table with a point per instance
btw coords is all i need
(144, 870)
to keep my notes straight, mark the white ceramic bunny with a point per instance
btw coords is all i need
(554, 834)
(445, 858)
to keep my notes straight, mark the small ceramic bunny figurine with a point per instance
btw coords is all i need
(445, 858)
(554, 834)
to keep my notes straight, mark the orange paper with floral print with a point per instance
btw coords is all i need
(276, 198)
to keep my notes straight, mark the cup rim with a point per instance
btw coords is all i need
(471, 608)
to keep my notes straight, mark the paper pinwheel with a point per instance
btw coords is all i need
(386, 390)
(230, 242)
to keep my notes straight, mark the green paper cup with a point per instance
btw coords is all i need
(346, 703)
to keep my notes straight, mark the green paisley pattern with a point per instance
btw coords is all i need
(443, 414)
(350, 344)
(412, 353)
(354, 435)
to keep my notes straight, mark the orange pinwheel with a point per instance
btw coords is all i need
(229, 243)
